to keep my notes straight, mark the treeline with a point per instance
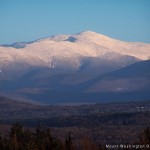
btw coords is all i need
(40, 138)
(89, 121)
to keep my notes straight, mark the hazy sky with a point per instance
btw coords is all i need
(26, 20)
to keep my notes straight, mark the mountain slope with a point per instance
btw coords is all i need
(80, 67)
(87, 44)
(134, 77)
(69, 50)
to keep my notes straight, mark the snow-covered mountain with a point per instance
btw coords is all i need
(72, 48)
(67, 59)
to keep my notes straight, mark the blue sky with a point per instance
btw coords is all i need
(27, 20)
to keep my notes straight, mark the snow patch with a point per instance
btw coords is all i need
(119, 89)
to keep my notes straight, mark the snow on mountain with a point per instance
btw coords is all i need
(136, 49)
(74, 67)
(69, 51)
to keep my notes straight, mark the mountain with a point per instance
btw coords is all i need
(130, 78)
(84, 67)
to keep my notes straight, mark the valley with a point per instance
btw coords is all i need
(105, 123)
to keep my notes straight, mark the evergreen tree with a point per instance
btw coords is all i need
(1, 142)
(68, 142)
(145, 136)
(16, 133)
(40, 138)
(28, 141)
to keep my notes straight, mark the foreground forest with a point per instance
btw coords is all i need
(26, 125)
(41, 138)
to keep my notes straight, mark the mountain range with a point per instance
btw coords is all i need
(86, 67)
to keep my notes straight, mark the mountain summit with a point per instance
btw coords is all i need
(65, 63)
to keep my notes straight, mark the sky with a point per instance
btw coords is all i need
(28, 20)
